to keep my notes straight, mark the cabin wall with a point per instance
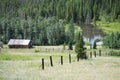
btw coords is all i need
(18, 46)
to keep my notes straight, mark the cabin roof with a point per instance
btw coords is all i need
(18, 42)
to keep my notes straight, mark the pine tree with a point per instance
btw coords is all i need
(80, 49)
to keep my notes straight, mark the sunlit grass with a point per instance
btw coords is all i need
(100, 68)
(31, 54)
(14, 57)
(43, 52)
(25, 64)
(109, 27)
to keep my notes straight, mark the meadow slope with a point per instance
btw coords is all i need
(25, 64)
(102, 68)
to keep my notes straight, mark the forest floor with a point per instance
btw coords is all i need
(25, 64)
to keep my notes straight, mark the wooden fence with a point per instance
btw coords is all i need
(91, 55)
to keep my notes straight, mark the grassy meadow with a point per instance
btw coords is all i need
(25, 64)
(109, 27)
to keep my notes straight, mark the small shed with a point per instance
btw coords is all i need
(1, 44)
(19, 43)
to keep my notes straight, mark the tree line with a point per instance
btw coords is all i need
(44, 31)
(43, 21)
(61, 9)
(112, 41)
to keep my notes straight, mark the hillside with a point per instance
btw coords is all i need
(44, 21)
(26, 64)
(61, 9)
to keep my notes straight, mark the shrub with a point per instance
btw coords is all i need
(112, 41)
(114, 53)
(37, 51)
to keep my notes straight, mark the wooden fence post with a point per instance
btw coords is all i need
(69, 58)
(51, 62)
(95, 53)
(90, 54)
(42, 63)
(99, 52)
(61, 60)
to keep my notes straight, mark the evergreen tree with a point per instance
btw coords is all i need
(61, 9)
(31, 19)
(80, 49)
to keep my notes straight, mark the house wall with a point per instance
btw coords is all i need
(18, 46)
(21, 46)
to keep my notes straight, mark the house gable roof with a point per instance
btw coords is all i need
(18, 42)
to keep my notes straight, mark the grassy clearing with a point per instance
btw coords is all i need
(25, 64)
(109, 27)
(95, 69)
(101, 68)
(31, 54)
(42, 52)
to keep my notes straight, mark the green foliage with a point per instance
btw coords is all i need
(36, 51)
(109, 27)
(62, 9)
(15, 57)
(71, 30)
(42, 21)
(42, 31)
(70, 34)
(114, 53)
(112, 41)
(80, 49)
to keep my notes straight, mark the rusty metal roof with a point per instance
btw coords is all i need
(18, 42)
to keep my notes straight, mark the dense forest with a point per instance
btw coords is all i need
(43, 21)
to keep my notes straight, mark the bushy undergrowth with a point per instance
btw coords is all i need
(112, 41)
(114, 53)
(36, 51)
